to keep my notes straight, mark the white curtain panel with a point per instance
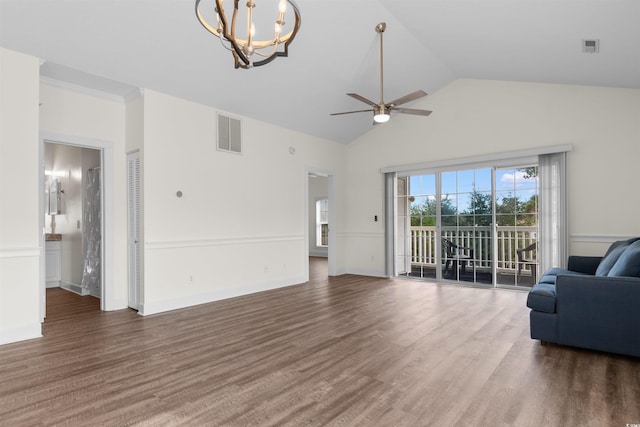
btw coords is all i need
(389, 222)
(553, 245)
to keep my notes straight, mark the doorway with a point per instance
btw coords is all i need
(73, 220)
(320, 220)
(75, 175)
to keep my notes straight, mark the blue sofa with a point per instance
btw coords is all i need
(594, 303)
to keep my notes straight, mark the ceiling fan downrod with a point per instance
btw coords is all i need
(380, 29)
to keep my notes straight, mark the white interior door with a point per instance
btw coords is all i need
(134, 232)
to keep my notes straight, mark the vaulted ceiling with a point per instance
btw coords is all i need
(116, 46)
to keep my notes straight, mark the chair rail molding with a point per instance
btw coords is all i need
(598, 238)
(20, 252)
(225, 241)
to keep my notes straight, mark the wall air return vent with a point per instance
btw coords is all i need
(229, 134)
(590, 46)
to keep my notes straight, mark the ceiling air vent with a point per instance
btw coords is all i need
(590, 46)
(229, 134)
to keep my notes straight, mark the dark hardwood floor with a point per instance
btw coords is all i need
(347, 350)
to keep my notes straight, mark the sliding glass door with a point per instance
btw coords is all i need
(476, 226)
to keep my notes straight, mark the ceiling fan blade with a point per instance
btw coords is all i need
(350, 112)
(411, 111)
(408, 98)
(363, 99)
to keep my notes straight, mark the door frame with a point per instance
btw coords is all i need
(107, 291)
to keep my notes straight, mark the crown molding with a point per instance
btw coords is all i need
(91, 92)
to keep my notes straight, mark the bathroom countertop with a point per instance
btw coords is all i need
(49, 237)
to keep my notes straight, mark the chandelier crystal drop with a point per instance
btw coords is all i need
(249, 52)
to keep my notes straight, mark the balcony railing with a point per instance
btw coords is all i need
(509, 239)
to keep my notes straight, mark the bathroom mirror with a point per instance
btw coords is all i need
(55, 202)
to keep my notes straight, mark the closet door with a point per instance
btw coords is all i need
(134, 230)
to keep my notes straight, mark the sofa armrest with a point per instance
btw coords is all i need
(599, 312)
(584, 264)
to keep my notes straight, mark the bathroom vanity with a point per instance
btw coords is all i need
(53, 259)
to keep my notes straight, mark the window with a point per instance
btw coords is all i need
(322, 222)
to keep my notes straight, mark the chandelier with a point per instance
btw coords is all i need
(248, 52)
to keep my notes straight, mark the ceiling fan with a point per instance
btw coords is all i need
(382, 110)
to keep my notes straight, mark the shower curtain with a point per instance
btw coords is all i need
(92, 234)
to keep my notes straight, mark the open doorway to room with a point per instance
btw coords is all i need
(72, 221)
(320, 221)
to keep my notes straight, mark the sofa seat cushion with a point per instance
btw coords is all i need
(542, 297)
(628, 264)
(550, 275)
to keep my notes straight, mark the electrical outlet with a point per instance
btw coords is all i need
(190, 279)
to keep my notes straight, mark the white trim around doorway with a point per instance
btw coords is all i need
(108, 299)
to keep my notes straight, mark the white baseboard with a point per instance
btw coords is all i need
(318, 253)
(190, 301)
(20, 334)
(370, 273)
(72, 287)
(117, 304)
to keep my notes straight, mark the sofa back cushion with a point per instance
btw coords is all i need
(628, 264)
(613, 253)
(609, 260)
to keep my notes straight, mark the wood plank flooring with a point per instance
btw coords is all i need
(347, 350)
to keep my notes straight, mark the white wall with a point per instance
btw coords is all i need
(73, 115)
(239, 225)
(134, 126)
(20, 251)
(476, 117)
(318, 189)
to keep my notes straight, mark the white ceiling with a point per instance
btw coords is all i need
(116, 46)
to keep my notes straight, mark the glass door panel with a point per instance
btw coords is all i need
(416, 230)
(517, 225)
(466, 207)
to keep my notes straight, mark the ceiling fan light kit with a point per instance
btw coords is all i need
(381, 114)
(382, 110)
(245, 50)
